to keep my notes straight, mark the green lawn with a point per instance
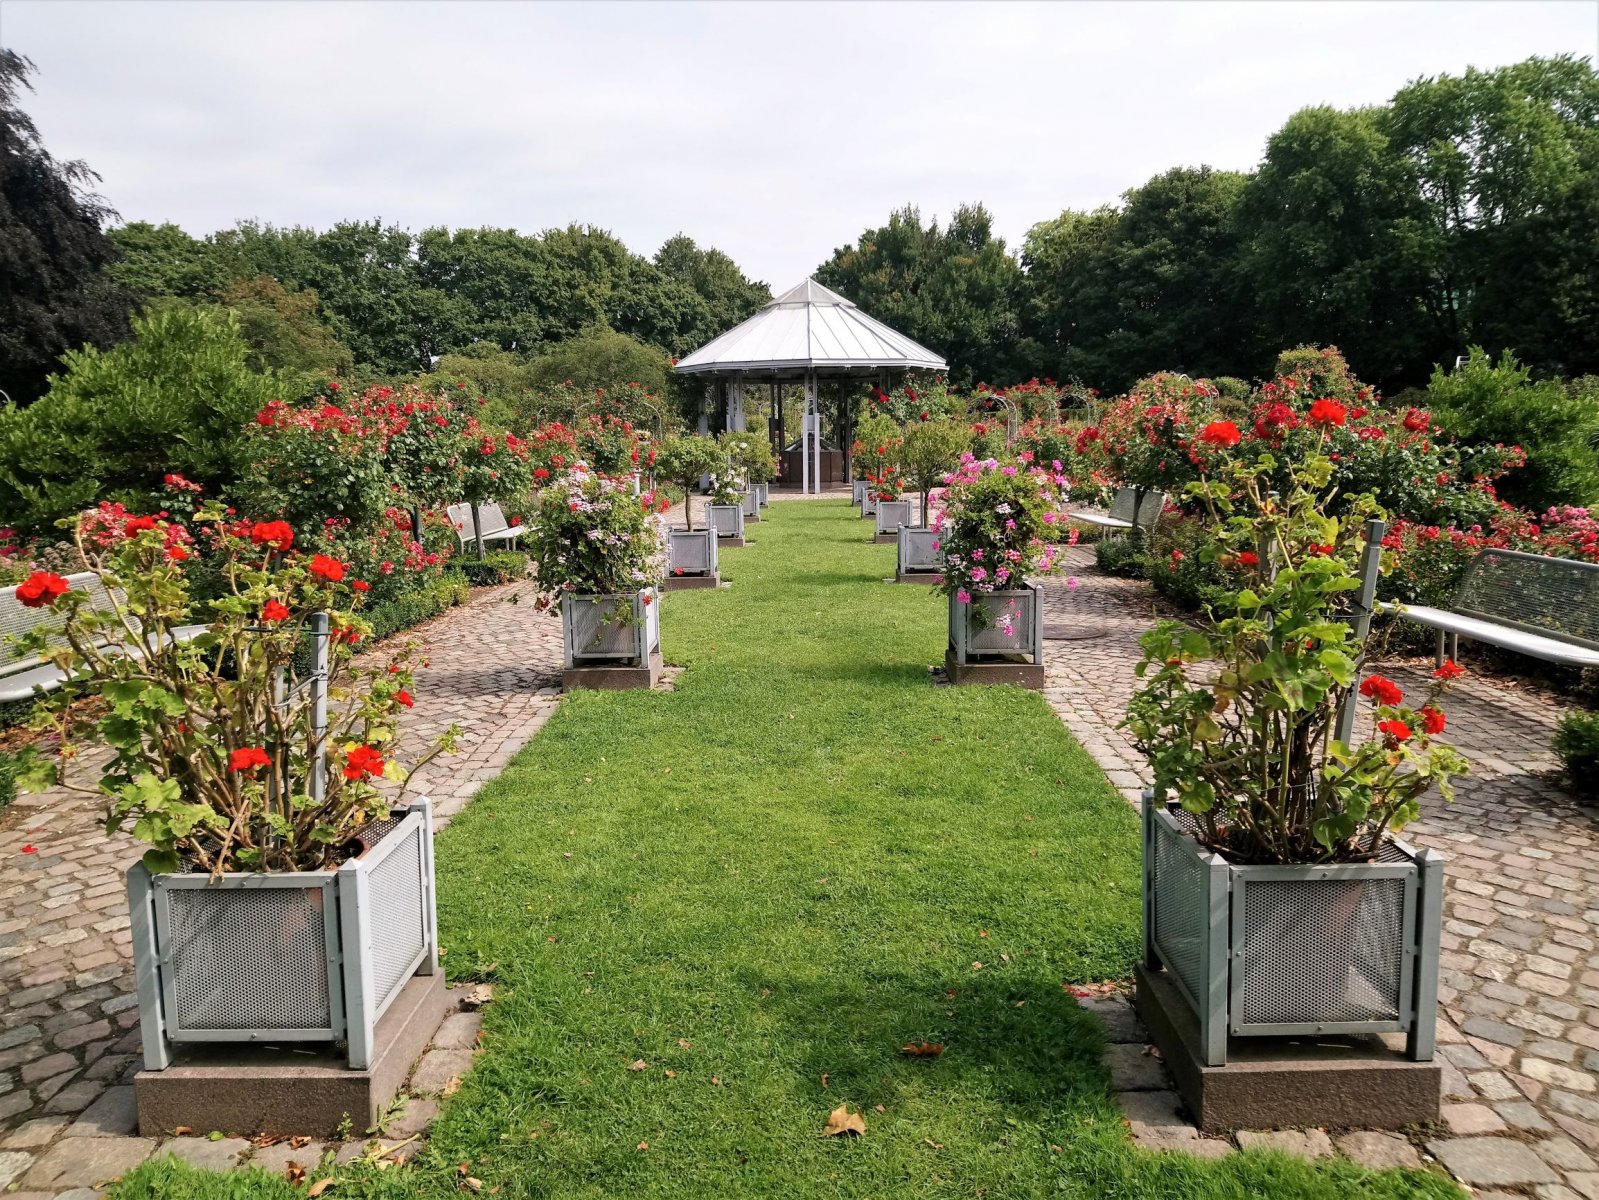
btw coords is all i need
(762, 886)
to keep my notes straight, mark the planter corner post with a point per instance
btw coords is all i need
(1216, 962)
(1421, 1042)
(147, 966)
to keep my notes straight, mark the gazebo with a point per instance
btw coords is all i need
(807, 334)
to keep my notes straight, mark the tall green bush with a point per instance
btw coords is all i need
(177, 398)
(1483, 403)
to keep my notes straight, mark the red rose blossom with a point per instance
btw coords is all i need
(1220, 433)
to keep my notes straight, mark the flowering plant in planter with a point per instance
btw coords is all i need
(727, 485)
(218, 758)
(591, 536)
(751, 454)
(998, 523)
(1239, 718)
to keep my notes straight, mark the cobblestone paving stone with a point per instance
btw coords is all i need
(1519, 984)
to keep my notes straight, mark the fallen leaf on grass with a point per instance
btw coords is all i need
(638, 1064)
(317, 1188)
(452, 1085)
(181, 1130)
(977, 966)
(294, 1173)
(684, 1043)
(643, 1145)
(880, 1108)
(841, 1121)
(824, 1081)
(931, 1144)
(477, 996)
(922, 1049)
(299, 1142)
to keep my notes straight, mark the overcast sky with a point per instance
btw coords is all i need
(775, 132)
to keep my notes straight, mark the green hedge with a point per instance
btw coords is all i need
(499, 566)
(8, 779)
(417, 606)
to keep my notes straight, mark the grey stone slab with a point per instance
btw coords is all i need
(1117, 1016)
(30, 1135)
(1134, 1070)
(220, 1155)
(1519, 1114)
(87, 1162)
(276, 1159)
(438, 1067)
(459, 1031)
(1491, 1162)
(114, 1114)
(420, 1112)
(1493, 1031)
(1301, 1143)
(1155, 1116)
(12, 1164)
(1379, 1151)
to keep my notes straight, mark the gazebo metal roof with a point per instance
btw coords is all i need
(809, 328)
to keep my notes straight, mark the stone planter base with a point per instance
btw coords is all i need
(684, 583)
(1022, 674)
(1336, 1082)
(885, 539)
(613, 679)
(930, 577)
(730, 543)
(293, 1088)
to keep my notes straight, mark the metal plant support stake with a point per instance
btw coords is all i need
(1365, 604)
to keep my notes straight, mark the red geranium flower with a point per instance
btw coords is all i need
(1398, 730)
(274, 610)
(1450, 670)
(404, 697)
(1384, 691)
(330, 569)
(1220, 433)
(248, 758)
(1432, 720)
(363, 760)
(1248, 558)
(41, 589)
(360, 585)
(135, 525)
(275, 534)
(1328, 412)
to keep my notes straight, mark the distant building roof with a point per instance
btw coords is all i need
(809, 327)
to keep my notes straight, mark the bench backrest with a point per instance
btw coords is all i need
(489, 516)
(1555, 597)
(17, 618)
(1148, 509)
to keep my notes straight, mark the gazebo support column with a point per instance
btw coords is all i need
(811, 446)
(735, 406)
(705, 410)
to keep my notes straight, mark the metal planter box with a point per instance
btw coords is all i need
(608, 630)
(691, 551)
(1011, 625)
(869, 503)
(726, 519)
(891, 514)
(765, 491)
(312, 956)
(750, 504)
(1272, 950)
(917, 555)
(858, 490)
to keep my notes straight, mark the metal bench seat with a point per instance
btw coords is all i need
(496, 529)
(1530, 604)
(1125, 509)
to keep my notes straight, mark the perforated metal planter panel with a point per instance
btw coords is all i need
(1321, 951)
(1181, 909)
(602, 628)
(690, 552)
(916, 551)
(398, 918)
(248, 958)
(1001, 610)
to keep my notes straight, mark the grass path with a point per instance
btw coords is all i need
(765, 883)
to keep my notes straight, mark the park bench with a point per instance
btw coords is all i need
(1127, 509)
(1544, 607)
(22, 673)
(497, 531)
